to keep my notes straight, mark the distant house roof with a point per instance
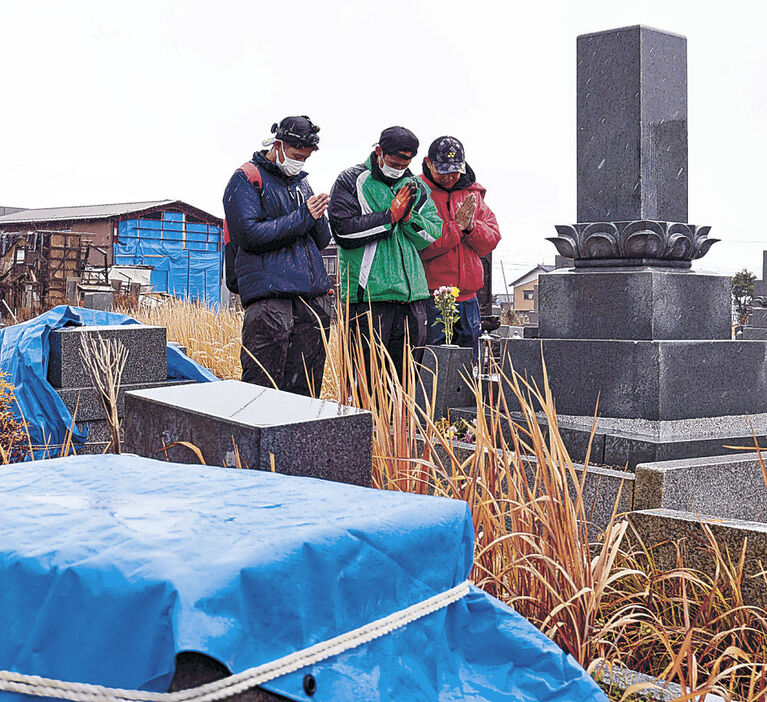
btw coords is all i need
(8, 210)
(532, 274)
(91, 212)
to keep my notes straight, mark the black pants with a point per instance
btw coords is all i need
(284, 335)
(389, 320)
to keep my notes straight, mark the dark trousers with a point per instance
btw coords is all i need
(284, 335)
(389, 321)
(465, 331)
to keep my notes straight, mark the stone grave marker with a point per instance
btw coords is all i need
(145, 367)
(756, 328)
(630, 325)
(445, 374)
(271, 429)
(146, 353)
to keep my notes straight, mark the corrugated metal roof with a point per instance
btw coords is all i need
(52, 214)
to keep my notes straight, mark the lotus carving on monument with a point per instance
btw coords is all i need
(633, 243)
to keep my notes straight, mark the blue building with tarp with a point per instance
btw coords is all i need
(186, 254)
(183, 244)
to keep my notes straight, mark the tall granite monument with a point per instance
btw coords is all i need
(631, 326)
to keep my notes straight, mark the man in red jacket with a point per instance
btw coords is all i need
(469, 232)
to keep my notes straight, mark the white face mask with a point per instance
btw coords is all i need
(289, 166)
(388, 171)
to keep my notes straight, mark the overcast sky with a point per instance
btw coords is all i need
(106, 102)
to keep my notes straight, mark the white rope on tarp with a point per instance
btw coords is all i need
(240, 682)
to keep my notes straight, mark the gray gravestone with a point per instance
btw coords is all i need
(632, 125)
(271, 429)
(98, 300)
(446, 374)
(757, 319)
(146, 361)
(760, 286)
(629, 303)
(631, 326)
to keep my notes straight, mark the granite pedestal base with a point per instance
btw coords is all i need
(731, 487)
(627, 443)
(654, 380)
(272, 430)
(666, 530)
(639, 303)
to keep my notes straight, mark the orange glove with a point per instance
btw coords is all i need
(402, 204)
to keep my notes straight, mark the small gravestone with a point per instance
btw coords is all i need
(145, 367)
(233, 423)
(146, 353)
(756, 328)
(446, 377)
(757, 324)
(98, 300)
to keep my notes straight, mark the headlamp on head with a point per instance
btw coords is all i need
(299, 131)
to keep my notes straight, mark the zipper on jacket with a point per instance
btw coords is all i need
(404, 269)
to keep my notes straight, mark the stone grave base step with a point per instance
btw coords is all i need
(629, 442)
(730, 486)
(654, 380)
(665, 529)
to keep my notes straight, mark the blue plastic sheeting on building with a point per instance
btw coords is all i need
(187, 257)
(24, 350)
(111, 565)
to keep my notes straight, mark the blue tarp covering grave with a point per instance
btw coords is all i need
(24, 350)
(111, 565)
(187, 257)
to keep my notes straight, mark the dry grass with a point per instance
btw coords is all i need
(211, 338)
(14, 437)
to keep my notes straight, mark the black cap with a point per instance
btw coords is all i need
(447, 155)
(297, 131)
(398, 141)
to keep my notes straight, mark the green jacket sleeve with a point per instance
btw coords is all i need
(425, 225)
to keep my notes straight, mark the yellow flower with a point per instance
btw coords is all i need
(454, 291)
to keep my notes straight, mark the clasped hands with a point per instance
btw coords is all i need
(317, 204)
(464, 217)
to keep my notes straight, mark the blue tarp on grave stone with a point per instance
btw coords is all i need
(187, 257)
(111, 565)
(24, 350)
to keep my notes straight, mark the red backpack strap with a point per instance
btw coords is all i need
(252, 173)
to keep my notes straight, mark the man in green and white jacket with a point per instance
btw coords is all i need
(381, 217)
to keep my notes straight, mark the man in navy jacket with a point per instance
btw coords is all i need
(278, 227)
